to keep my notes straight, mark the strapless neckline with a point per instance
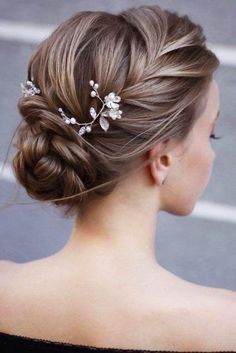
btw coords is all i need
(7, 337)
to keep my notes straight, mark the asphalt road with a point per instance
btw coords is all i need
(198, 249)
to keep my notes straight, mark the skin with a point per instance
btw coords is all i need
(110, 258)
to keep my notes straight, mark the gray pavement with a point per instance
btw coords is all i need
(199, 250)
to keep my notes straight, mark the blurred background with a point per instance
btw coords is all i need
(201, 247)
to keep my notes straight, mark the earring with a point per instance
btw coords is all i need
(163, 181)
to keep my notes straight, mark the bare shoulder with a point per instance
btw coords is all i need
(8, 272)
(7, 268)
(29, 292)
(198, 317)
(212, 320)
(5, 265)
(222, 315)
(194, 317)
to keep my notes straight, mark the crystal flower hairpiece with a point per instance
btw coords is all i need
(29, 89)
(110, 101)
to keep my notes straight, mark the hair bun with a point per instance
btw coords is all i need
(49, 163)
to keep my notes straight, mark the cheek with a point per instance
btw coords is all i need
(210, 156)
(189, 179)
(200, 165)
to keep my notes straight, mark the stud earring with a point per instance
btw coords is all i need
(163, 181)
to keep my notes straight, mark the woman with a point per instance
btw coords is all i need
(144, 147)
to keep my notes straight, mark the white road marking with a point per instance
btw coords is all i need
(214, 211)
(34, 33)
(23, 32)
(225, 53)
(6, 174)
(203, 209)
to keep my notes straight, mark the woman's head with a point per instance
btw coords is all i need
(155, 60)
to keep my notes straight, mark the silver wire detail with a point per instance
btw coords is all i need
(110, 101)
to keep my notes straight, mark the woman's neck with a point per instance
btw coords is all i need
(121, 225)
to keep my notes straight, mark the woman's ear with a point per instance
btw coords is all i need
(160, 165)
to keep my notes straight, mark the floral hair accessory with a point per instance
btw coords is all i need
(110, 102)
(29, 89)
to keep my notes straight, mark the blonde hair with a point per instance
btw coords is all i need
(155, 60)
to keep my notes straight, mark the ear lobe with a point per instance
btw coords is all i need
(159, 167)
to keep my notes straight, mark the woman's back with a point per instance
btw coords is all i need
(48, 299)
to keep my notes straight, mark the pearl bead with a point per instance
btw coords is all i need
(88, 128)
(91, 83)
(72, 120)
